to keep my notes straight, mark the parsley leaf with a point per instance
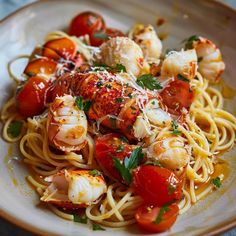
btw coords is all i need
(100, 36)
(162, 211)
(171, 188)
(113, 122)
(14, 129)
(83, 105)
(216, 182)
(124, 139)
(95, 173)
(189, 41)
(129, 163)
(180, 77)
(120, 148)
(119, 100)
(148, 81)
(97, 227)
(120, 68)
(100, 66)
(80, 219)
(175, 128)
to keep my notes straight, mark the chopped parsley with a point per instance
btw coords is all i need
(124, 139)
(80, 219)
(171, 188)
(180, 77)
(108, 86)
(162, 211)
(216, 182)
(133, 108)
(120, 148)
(113, 122)
(30, 73)
(119, 100)
(100, 36)
(175, 128)
(120, 68)
(97, 227)
(83, 105)
(130, 95)
(95, 173)
(99, 84)
(14, 129)
(148, 81)
(190, 40)
(129, 163)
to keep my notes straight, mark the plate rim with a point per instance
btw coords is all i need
(225, 226)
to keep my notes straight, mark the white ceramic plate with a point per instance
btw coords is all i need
(27, 27)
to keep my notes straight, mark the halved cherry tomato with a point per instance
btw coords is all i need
(49, 53)
(146, 217)
(86, 23)
(64, 47)
(177, 95)
(32, 97)
(40, 66)
(95, 40)
(108, 146)
(157, 185)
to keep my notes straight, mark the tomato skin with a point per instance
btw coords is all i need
(86, 23)
(177, 95)
(154, 185)
(146, 215)
(31, 98)
(106, 148)
(109, 32)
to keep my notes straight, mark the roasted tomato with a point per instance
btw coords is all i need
(177, 95)
(40, 66)
(157, 185)
(87, 23)
(100, 37)
(108, 146)
(154, 219)
(32, 97)
(57, 48)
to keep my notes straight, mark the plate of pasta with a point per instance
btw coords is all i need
(118, 118)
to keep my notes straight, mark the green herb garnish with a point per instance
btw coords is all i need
(83, 105)
(180, 77)
(148, 81)
(80, 219)
(129, 163)
(119, 100)
(124, 139)
(175, 128)
(120, 68)
(120, 148)
(189, 41)
(162, 211)
(130, 95)
(97, 227)
(171, 188)
(113, 122)
(95, 173)
(100, 36)
(217, 182)
(14, 129)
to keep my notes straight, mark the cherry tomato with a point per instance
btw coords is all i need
(31, 98)
(157, 185)
(95, 40)
(154, 219)
(86, 23)
(177, 95)
(40, 65)
(62, 47)
(108, 146)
